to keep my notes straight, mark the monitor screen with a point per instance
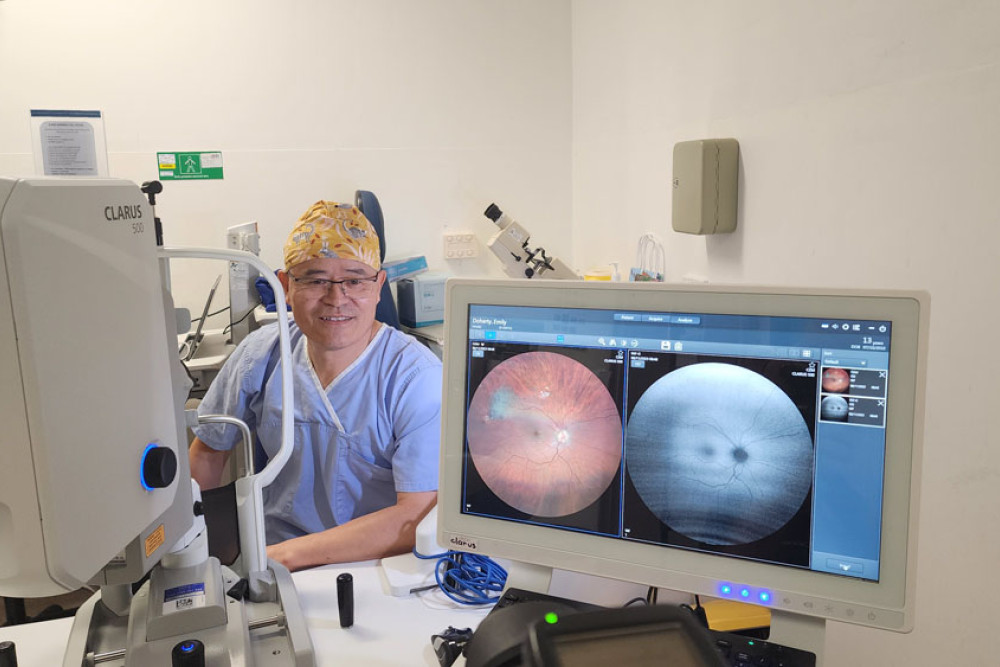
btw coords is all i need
(745, 443)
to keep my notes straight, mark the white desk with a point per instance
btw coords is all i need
(387, 630)
(432, 336)
(39, 643)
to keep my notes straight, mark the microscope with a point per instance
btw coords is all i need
(519, 260)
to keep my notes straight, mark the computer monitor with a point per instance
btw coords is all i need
(750, 443)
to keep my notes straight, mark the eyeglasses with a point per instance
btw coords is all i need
(354, 288)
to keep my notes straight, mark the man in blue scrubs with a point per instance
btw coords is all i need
(363, 471)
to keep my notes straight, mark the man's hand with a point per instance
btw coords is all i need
(284, 553)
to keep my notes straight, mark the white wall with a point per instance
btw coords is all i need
(868, 135)
(869, 141)
(440, 107)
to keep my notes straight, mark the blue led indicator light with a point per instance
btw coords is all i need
(744, 592)
(764, 596)
(726, 589)
(142, 466)
(187, 647)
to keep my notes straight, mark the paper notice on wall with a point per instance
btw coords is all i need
(69, 143)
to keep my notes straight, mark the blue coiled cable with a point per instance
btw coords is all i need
(466, 578)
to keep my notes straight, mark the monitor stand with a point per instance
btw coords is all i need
(803, 632)
(528, 576)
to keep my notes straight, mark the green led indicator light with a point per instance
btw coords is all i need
(551, 617)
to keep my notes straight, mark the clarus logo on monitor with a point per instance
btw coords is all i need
(123, 212)
(462, 542)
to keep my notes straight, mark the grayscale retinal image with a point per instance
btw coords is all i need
(834, 408)
(719, 453)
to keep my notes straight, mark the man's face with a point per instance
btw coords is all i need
(331, 319)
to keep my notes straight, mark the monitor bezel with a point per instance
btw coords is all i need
(887, 603)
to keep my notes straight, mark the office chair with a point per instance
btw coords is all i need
(368, 204)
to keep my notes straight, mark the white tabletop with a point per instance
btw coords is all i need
(39, 643)
(387, 630)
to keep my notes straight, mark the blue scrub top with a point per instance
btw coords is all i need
(374, 431)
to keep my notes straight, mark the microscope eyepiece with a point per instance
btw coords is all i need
(493, 212)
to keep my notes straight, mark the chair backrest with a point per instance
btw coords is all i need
(368, 204)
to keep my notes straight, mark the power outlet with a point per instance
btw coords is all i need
(460, 245)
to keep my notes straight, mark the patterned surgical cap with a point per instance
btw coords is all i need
(329, 229)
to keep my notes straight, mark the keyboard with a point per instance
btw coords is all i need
(742, 651)
(736, 650)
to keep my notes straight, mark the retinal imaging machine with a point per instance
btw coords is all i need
(92, 405)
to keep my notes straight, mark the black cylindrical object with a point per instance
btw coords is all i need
(345, 599)
(493, 212)
(159, 467)
(188, 653)
(8, 654)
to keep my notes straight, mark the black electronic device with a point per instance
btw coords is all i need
(449, 644)
(739, 650)
(498, 640)
(636, 636)
(513, 595)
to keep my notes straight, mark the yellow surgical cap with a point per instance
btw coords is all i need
(329, 229)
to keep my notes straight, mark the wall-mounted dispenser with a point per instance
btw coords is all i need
(706, 180)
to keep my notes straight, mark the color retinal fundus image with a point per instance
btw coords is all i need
(836, 380)
(719, 453)
(544, 433)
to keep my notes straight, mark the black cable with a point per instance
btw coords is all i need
(636, 601)
(218, 312)
(232, 324)
(187, 370)
(697, 611)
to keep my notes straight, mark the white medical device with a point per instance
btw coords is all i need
(243, 297)
(751, 443)
(95, 488)
(519, 259)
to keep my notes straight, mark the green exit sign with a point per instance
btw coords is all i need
(190, 165)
